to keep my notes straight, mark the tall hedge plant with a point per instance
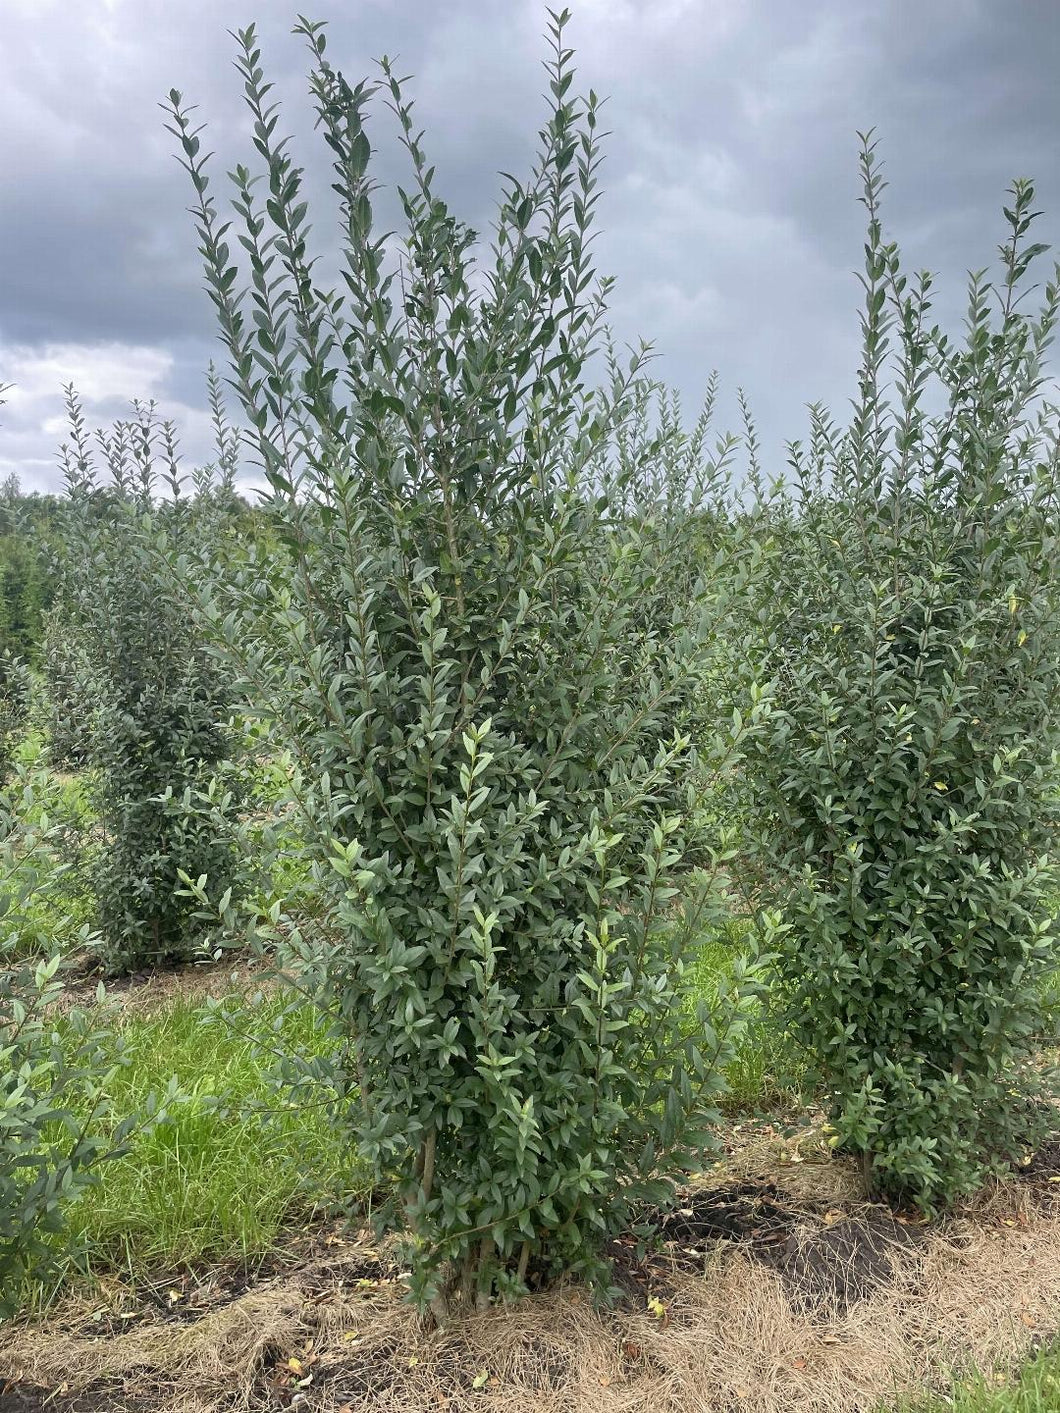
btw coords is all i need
(905, 789)
(481, 718)
(154, 705)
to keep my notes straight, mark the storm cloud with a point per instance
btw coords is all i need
(729, 219)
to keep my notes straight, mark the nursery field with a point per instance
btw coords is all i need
(535, 910)
(229, 1254)
(231, 1248)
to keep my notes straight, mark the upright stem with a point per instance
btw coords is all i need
(524, 1261)
(427, 1164)
(485, 1281)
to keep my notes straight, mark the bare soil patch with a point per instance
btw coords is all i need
(143, 993)
(827, 1258)
(24, 1398)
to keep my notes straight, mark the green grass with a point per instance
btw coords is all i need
(1033, 1389)
(767, 1072)
(210, 1181)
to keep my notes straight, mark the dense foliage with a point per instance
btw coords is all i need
(56, 1127)
(15, 689)
(29, 528)
(905, 791)
(156, 706)
(480, 716)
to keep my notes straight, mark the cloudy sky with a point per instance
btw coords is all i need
(730, 216)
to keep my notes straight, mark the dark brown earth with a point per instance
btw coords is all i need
(827, 1258)
(22, 1398)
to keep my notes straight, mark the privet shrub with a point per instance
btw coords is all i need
(68, 698)
(158, 727)
(480, 715)
(14, 695)
(906, 785)
(15, 691)
(27, 531)
(55, 1122)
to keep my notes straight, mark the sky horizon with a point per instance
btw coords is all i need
(729, 217)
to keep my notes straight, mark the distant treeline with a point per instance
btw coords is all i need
(29, 532)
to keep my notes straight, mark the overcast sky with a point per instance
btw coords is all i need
(730, 217)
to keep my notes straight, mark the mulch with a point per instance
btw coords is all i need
(828, 1258)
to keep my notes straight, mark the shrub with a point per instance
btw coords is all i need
(55, 1123)
(27, 532)
(68, 698)
(158, 725)
(14, 708)
(905, 789)
(480, 715)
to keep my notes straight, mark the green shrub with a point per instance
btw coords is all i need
(14, 708)
(159, 721)
(56, 1126)
(905, 790)
(45, 901)
(480, 716)
(69, 698)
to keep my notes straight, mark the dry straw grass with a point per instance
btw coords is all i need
(982, 1289)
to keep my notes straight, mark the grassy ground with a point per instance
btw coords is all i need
(767, 1072)
(215, 1178)
(1035, 1389)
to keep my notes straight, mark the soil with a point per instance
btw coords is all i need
(142, 992)
(827, 1258)
(1045, 1164)
(24, 1398)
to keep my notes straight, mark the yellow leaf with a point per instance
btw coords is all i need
(481, 1378)
(1022, 637)
(350, 1334)
(295, 1365)
(940, 785)
(656, 1307)
(413, 1361)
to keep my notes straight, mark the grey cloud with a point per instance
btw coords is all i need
(729, 218)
